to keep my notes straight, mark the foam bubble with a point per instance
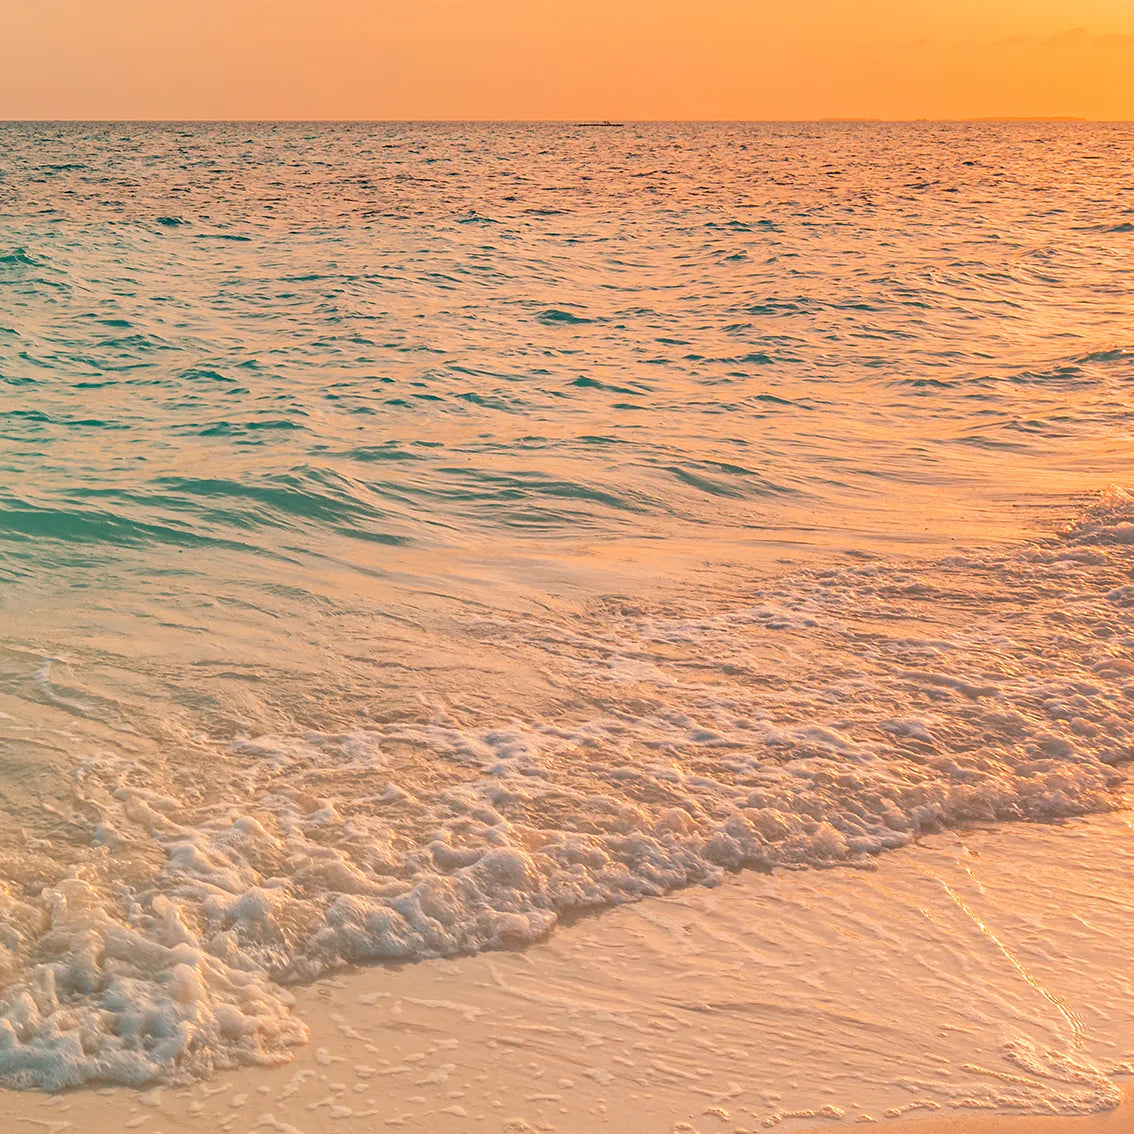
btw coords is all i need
(826, 717)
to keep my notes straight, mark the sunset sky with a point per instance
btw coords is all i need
(565, 59)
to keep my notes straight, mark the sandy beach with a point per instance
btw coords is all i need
(566, 568)
(799, 1000)
(512, 627)
(1120, 1120)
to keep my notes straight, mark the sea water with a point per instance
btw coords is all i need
(413, 534)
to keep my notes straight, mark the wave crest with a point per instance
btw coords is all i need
(692, 741)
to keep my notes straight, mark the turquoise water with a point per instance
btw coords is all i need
(412, 533)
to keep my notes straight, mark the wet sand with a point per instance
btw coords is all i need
(1120, 1120)
(792, 1001)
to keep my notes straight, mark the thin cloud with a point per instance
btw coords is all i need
(1072, 37)
(1114, 39)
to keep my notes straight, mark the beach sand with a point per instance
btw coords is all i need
(800, 1000)
(1120, 1120)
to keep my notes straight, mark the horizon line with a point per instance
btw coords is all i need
(824, 120)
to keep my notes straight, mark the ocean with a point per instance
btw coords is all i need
(416, 536)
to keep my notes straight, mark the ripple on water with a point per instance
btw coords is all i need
(414, 535)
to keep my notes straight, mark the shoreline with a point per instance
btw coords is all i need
(790, 1001)
(1119, 1120)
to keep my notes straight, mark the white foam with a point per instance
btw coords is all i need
(830, 716)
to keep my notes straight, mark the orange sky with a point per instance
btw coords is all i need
(566, 58)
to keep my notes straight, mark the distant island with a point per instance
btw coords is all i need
(1035, 118)
(991, 118)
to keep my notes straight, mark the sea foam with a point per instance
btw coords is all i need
(820, 719)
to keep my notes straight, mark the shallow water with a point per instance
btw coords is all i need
(979, 971)
(412, 534)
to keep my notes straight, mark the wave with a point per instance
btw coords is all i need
(20, 257)
(555, 315)
(818, 719)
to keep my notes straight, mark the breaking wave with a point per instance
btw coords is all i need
(815, 720)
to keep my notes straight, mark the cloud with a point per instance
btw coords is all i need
(1080, 37)
(1114, 39)
(1072, 37)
